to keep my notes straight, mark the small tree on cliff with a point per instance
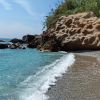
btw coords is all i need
(71, 7)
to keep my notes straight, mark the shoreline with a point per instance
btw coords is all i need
(81, 81)
(95, 54)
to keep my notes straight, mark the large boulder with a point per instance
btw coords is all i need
(28, 38)
(17, 41)
(3, 46)
(74, 32)
(32, 40)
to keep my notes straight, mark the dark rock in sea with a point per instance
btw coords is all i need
(17, 41)
(16, 46)
(3, 46)
(32, 40)
(31, 46)
(28, 38)
(23, 47)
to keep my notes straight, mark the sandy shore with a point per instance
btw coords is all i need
(81, 81)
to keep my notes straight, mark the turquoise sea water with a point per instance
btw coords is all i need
(23, 72)
(17, 65)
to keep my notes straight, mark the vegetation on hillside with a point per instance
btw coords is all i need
(71, 7)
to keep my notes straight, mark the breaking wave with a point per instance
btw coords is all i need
(36, 86)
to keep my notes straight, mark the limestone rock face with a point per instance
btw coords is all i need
(74, 32)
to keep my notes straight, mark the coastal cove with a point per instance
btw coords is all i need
(50, 52)
(38, 66)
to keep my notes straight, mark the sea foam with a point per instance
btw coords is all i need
(35, 87)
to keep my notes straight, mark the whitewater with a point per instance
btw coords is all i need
(35, 86)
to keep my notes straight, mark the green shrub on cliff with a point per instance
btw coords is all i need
(71, 7)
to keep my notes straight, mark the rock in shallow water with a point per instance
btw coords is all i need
(3, 46)
(32, 40)
(16, 46)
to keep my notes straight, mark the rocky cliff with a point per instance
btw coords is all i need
(74, 32)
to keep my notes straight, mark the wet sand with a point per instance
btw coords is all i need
(81, 81)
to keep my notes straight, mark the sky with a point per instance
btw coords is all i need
(22, 17)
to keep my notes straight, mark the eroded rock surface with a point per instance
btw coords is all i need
(74, 32)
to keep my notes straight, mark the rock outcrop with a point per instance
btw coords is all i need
(3, 46)
(16, 46)
(32, 40)
(17, 41)
(48, 43)
(28, 38)
(74, 32)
